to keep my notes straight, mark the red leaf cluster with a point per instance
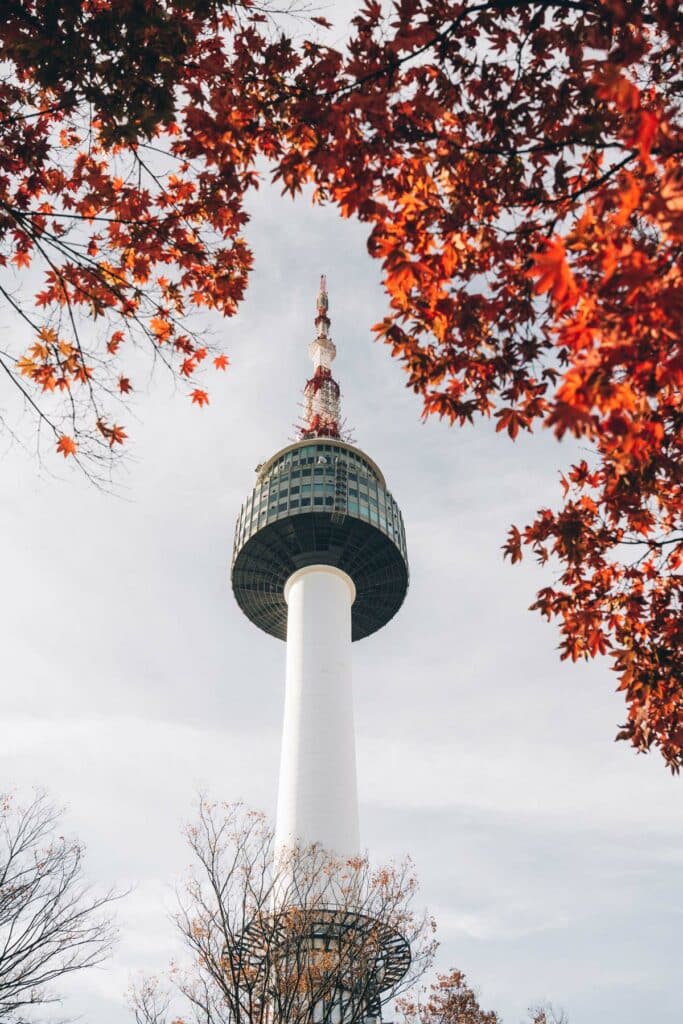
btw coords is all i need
(518, 166)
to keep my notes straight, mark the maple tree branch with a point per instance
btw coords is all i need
(18, 309)
(118, 287)
(590, 186)
(443, 36)
(651, 543)
(36, 408)
(597, 182)
(137, 222)
(17, 118)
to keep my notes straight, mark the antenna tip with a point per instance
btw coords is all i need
(322, 302)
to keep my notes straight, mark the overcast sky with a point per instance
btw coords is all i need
(550, 855)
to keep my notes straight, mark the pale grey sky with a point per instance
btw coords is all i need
(551, 856)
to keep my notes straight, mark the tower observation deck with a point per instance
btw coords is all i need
(320, 560)
(316, 501)
(320, 501)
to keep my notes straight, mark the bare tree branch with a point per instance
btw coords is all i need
(281, 935)
(51, 922)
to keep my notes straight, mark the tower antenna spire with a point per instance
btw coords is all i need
(322, 304)
(322, 411)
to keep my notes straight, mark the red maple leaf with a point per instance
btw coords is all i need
(66, 446)
(199, 397)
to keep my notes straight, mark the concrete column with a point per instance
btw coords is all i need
(318, 794)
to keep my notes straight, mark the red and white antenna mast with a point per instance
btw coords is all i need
(321, 394)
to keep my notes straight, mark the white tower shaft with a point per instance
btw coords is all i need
(318, 795)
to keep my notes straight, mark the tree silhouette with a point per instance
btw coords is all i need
(51, 922)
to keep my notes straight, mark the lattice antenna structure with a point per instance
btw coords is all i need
(321, 406)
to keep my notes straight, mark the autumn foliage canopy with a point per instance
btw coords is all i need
(518, 166)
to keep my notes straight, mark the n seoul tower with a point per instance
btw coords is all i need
(320, 561)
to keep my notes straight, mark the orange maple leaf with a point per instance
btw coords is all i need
(66, 446)
(26, 366)
(511, 420)
(124, 385)
(199, 397)
(221, 362)
(22, 258)
(553, 273)
(117, 436)
(83, 374)
(512, 548)
(648, 126)
(161, 328)
(114, 342)
(39, 351)
(114, 434)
